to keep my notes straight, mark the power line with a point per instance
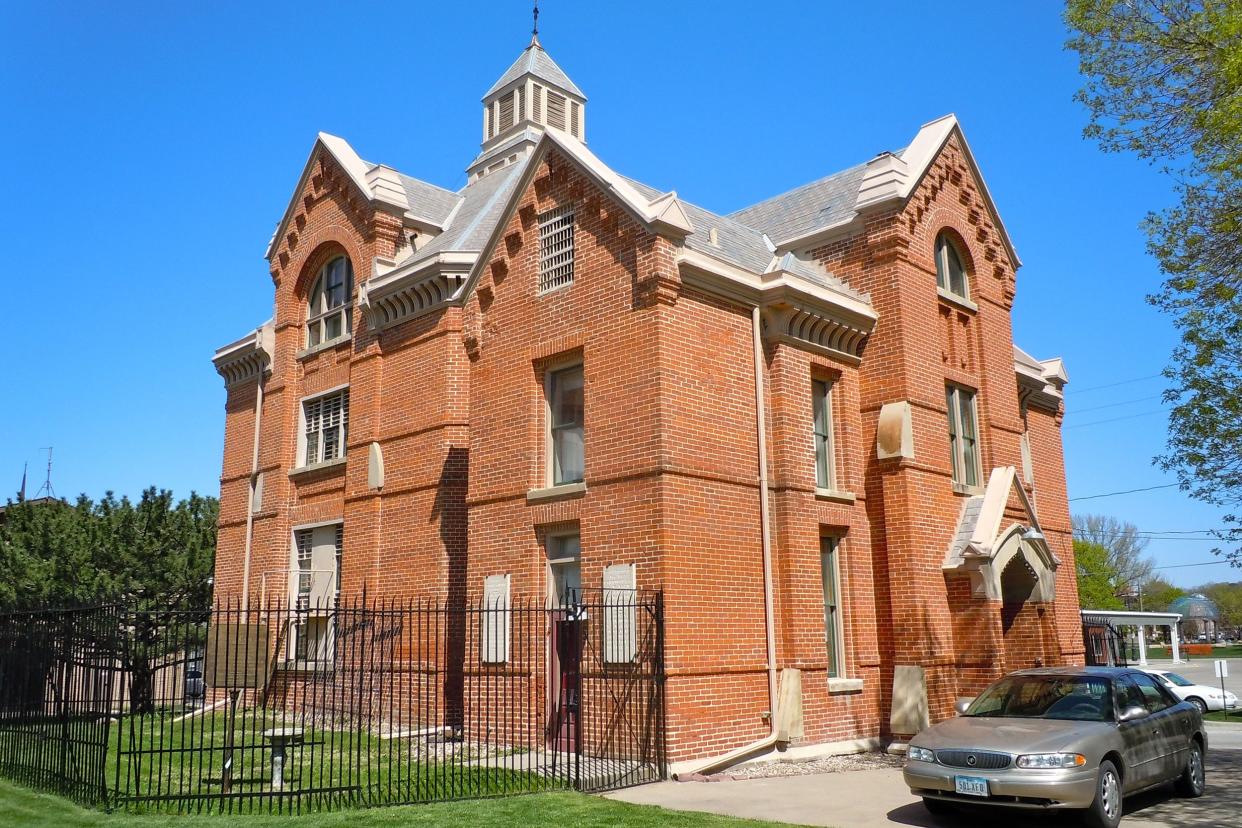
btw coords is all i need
(1115, 419)
(1183, 566)
(1112, 384)
(1127, 491)
(1116, 404)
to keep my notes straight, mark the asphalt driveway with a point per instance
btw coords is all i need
(879, 799)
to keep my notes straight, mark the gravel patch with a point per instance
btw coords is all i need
(827, 764)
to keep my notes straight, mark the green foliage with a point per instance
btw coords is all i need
(1097, 577)
(1159, 595)
(154, 554)
(1228, 600)
(1163, 79)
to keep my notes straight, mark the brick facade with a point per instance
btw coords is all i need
(454, 400)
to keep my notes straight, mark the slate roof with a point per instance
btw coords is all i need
(965, 528)
(807, 208)
(537, 62)
(427, 200)
(483, 201)
(744, 246)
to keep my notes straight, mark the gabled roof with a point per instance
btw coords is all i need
(798, 216)
(482, 202)
(802, 210)
(378, 184)
(535, 61)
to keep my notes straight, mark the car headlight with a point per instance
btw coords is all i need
(1052, 760)
(919, 754)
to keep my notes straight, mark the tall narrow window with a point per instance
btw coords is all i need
(950, 273)
(325, 427)
(832, 607)
(824, 477)
(556, 248)
(328, 303)
(565, 425)
(963, 436)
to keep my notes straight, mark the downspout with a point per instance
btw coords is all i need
(254, 476)
(770, 741)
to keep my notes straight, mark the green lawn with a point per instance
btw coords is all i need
(1224, 716)
(1232, 651)
(21, 808)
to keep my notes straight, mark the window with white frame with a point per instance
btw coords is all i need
(822, 410)
(315, 588)
(963, 436)
(566, 415)
(329, 302)
(832, 605)
(950, 272)
(325, 427)
(556, 248)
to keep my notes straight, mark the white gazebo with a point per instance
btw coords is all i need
(1142, 620)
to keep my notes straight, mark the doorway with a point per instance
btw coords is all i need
(566, 637)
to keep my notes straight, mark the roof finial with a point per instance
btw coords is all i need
(534, 32)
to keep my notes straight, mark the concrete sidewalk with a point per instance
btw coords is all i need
(879, 799)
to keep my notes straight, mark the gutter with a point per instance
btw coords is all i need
(770, 741)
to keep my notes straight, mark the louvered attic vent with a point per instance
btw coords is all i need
(556, 248)
(556, 110)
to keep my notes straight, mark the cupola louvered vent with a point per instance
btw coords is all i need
(556, 110)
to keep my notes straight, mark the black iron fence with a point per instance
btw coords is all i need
(279, 709)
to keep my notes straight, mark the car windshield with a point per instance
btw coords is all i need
(1180, 681)
(1078, 698)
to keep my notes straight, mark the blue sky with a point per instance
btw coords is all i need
(151, 148)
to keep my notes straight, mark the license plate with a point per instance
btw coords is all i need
(971, 785)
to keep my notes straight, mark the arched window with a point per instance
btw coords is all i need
(328, 303)
(950, 272)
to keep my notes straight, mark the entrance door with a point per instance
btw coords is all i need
(566, 640)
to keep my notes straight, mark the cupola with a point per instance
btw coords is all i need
(533, 95)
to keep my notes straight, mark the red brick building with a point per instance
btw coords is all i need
(556, 376)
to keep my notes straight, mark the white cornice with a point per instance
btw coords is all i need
(795, 310)
(1040, 383)
(395, 294)
(247, 358)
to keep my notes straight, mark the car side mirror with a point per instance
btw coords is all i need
(962, 704)
(1131, 713)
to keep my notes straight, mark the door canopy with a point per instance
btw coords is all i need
(989, 539)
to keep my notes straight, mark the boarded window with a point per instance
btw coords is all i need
(556, 110)
(620, 596)
(556, 248)
(326, 427)
(494, 625)
(506, 112)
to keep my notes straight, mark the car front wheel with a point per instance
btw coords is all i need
(1105, 812)
(1193, 779)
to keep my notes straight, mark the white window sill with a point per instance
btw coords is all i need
(323, 346)
(554, 492)
(959, 301)
(314, 467)
(963, 489)
(845, 685)
(834, 495)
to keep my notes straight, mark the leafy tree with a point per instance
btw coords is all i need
(1097, 578)
(1124, 546)
(1228, 600)
(152, 557)
(1163, 79)
(1159, 594)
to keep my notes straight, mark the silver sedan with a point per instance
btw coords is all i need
(1061, 738)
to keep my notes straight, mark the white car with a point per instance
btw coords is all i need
(1202, 696)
